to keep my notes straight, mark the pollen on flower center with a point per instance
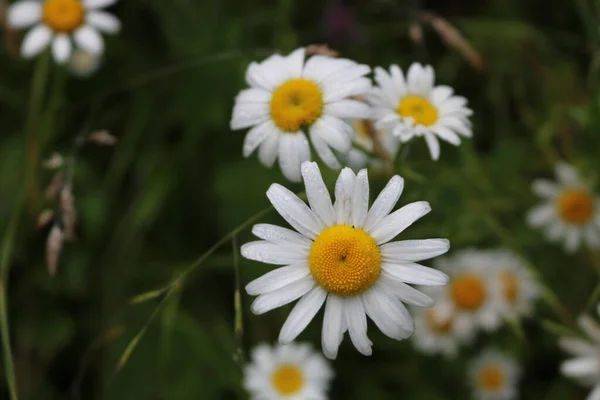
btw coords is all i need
(510, 286)
(419, 109)
(296, 103)
(344, 260)
(468, 292)
(491, 378)
(576, 206)
(287, 379)
(63, 15)
(436, 324)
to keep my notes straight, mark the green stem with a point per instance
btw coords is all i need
(238, 328)
(32, 147)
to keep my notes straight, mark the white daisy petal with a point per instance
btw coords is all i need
(256, 136)
(270, 253)
(388, 313)
(295, 63)
(413, 250)
(317, 193)
(303, 312)
(447, 135)
(269, 149)
(540, 215)
(323, 150)
(572, 239)
(385, 202)
(595, 393)
(544, 188)
(36, 40)
(334, 132)
(250, 114)
(406, 293)
(61, 48)
(356, 320)
(415, 274)
(103, 21)
(281, 236)
(294, 211)
(341, 90)
(277, 279)
(293, 151)
(576, 347)
(580, 366)
(282, 296)
(348, 109)
(395, 223)
(344, 189)
(23, 14)
(566, 173)
(332, 326)
(360, 199)
(253, 95)
(96, 4)
(433, 144)
(89, 39)
(592, 237)
(318, 68)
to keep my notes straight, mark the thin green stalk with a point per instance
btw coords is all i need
(32, 147)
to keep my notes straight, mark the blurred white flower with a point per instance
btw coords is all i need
(584, 367)
(412, 106)
(471, 296)
(516, 288)
(292, 371)
(435, 329)
(341, 256)
(83, 63)
(58, 22)
(494, 376)
(569, 209)
(362, 155)
(289, 97)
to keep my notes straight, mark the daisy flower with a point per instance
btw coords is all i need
(57, 22)
(361, 156)
(584, 367)
(494, 376)
(435, 329)
(83, 63)
(289, 98)
(412, 106)
(470, 296)
(569, 209)
(293, 372)
(341, 255)
(515, 286)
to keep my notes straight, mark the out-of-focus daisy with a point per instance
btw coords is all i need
(569, 210)
(362, 155)
(341, 256)
(584, 367)
(516, 287)
(289, 98)
(412, 106)
(435, 329)
(83, 63)
(470, 296)
(57, 22)
(494, 376)
(292, 371)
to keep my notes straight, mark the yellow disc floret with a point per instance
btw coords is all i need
(418, 108)
(287, 379)
(576, 206)
(491, 378)
(295, 104)
(510, 286)
(344, 260)
(63, 16)
(468, 292)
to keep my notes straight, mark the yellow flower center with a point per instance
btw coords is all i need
(576, 206)
(344, 260)
(437, 325)
(63, 15)
(287, 379)
(295, 104)
(468, 292)
(491, 378)
(418, 108)
(510, 286)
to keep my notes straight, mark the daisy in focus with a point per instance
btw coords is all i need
(516, 287)
(569, 209)
(470, 297)
(412, 106)
(290, 98)
(362, 156)
(435, 330)
(494, 376)
(57, 23)
(584, 367)
(341, 255)
(292, 371)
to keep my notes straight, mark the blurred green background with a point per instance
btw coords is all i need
(176, 183)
